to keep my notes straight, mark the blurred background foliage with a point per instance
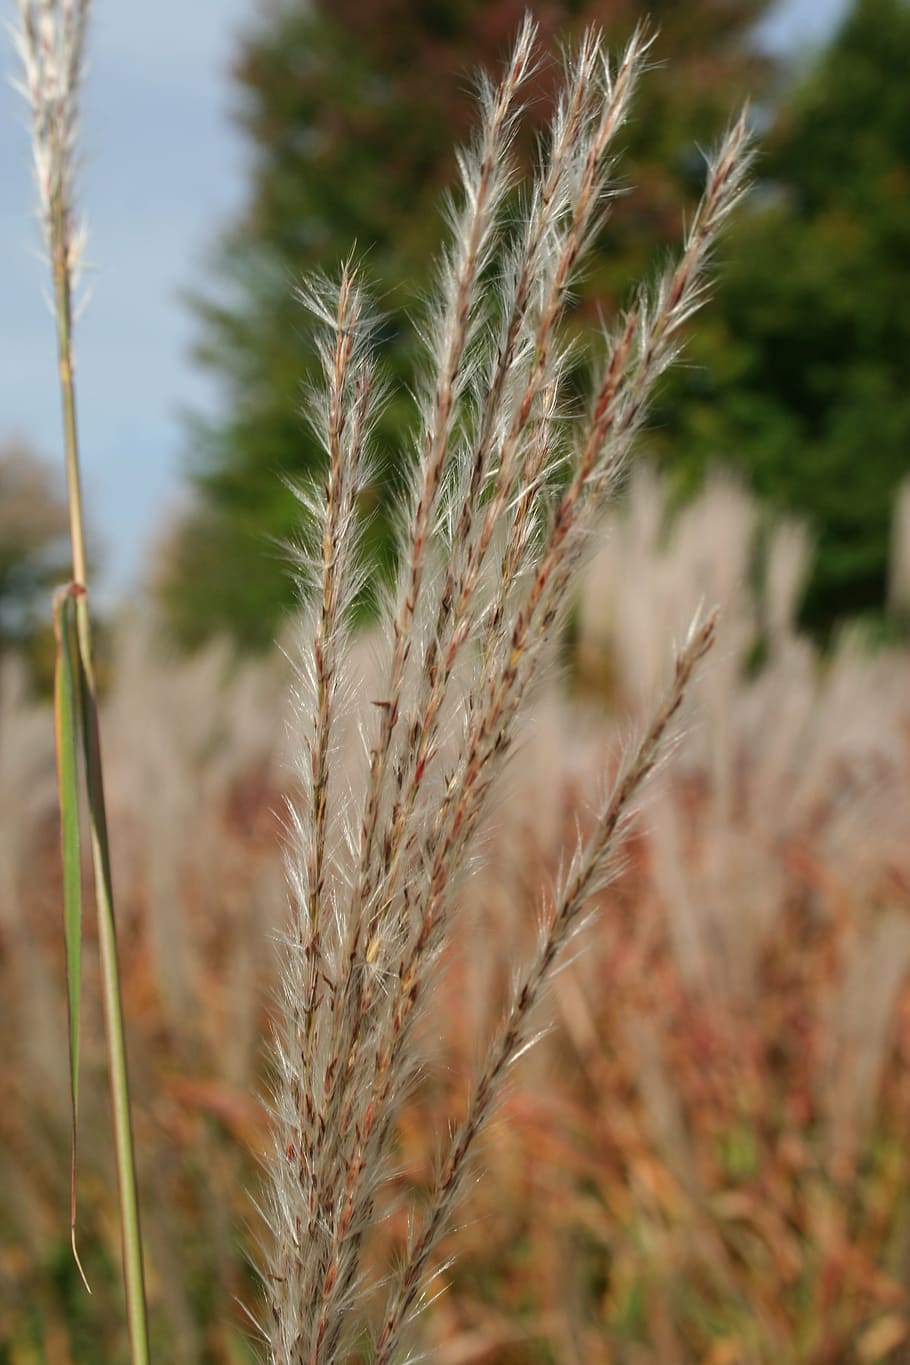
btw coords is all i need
(704, 1162)
(352, 111)
(34, 552)
(801, 373)
(798, 376)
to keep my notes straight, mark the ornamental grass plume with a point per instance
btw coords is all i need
(507, 482)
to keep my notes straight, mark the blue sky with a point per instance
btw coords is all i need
(163, 169)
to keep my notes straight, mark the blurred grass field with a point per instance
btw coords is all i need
(704, 1161)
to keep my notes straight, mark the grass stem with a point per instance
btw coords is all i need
(134, 1279)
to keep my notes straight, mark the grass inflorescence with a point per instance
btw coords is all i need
(507, 482)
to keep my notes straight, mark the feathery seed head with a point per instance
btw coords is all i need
(51, 44)
(508, 481)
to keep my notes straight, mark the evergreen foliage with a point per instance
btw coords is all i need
(802, 374)
(351, 109)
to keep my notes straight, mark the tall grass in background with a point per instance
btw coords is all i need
(704, 1160)
(51, 41)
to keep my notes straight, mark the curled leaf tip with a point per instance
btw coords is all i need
(82, 1274)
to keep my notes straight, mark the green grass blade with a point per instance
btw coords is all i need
(131, 1234)
(66, 711)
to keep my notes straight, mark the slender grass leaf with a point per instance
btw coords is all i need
(66, 711)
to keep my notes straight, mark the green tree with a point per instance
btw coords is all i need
(804, 379)
(351, 108)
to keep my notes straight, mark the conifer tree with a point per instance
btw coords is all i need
(351, 109)
(801, 374)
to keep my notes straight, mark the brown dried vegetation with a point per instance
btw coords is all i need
(705, 1160)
